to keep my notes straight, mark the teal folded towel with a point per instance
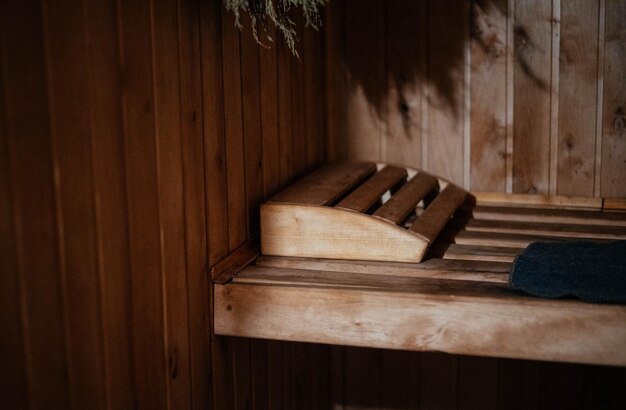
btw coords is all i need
(591, 271)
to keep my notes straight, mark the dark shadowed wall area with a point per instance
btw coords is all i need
(139, 137)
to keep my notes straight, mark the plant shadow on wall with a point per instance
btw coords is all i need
(395, 51)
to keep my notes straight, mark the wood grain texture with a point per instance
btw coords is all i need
(577, 86)
(447, 38)
(403, 202)
(405, 65)
(357, 317)
(68, 101)
(438, 213)
(326, 185)
(614, 111)
(371, 191)
(364, 52)
(531, 129)
(26, 112)
(312, 231)
(488, 151)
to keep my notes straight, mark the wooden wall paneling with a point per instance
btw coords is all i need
(365, 60)
(400, 379)
(613, 179)
(299, 142)
(363, 383)
(13, 382)
(578, 66)
(519, 384)
(406, 68)
(314, 95)
(562, 385)
(29, 164)
(66, 57)
(233, 132)
(194, 203)
(167, 109)
(213, 129)
(603, 387)
(268, 72)
(532, 91)
(477, 382)
(448, 34)
(109, 179)
(335, 79)
(285, 130)
(488, 41)
(438, 381)
(143, 205)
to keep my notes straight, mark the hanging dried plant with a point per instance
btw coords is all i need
(264, 12)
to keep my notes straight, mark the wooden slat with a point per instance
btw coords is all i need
(438, 213)
(532, 90)
(578, 82)
(613, 183)
(512, 240)
(545, 229)
(327, 184)
(375, 267)
(595, 218)
(541, 201)
(614, 204)
(488, 95)
(317, 270)
(477, 252)
(403, 202)
(370, 192)
(466, 319)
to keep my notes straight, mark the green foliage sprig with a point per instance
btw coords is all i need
(264, 12)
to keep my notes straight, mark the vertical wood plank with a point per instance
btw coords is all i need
(400, 379)
(510, 88)
(519, 382)
(362, 378)
(107, 151)
(365, 52)
(405, 64)
(477, 382)
(66, 58)
(298, 126)
(314, 95)
(554, 95)
(143, 210)
(13, 382)
(285, 131)
(335, 79)
(577, 88)
(447, 38)
(532, 89)
(488, 154)
(438, 381)
(269, 116)
(165, 40)
(194, 201)
(613, 182)
(32, 194)
(233, 132)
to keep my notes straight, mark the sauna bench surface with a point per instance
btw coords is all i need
(457, 301)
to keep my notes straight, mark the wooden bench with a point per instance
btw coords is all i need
(456, 301)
